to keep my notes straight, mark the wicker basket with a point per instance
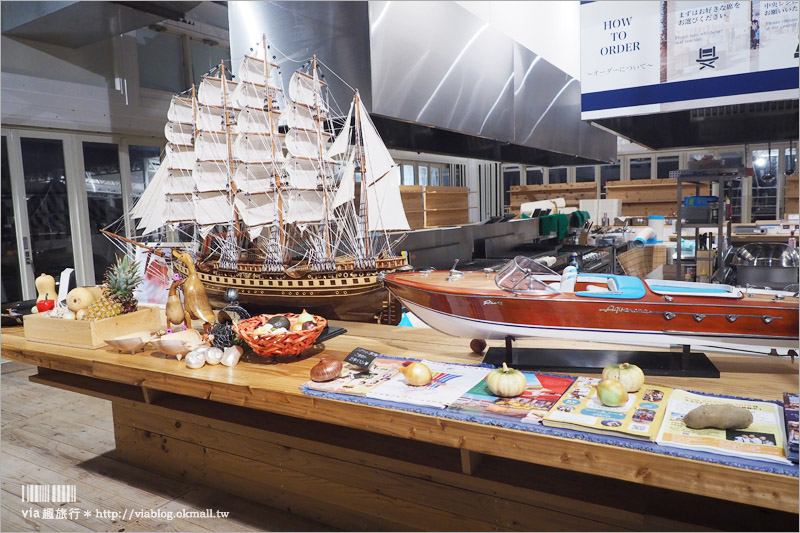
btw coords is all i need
(289, 343)
(640, 262)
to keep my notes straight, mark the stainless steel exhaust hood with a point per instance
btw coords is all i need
(435, 77)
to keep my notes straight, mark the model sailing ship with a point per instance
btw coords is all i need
(526, 299)
(266, 192)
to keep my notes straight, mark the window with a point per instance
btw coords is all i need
(584, 174)
(558, 175)
(435, 172)
(423, 175)
(160, 61)
(765, 171)
(790, 158)
(206, 56)
(104, 197)
(640, 168)
(12, 289)
(608, 173)
(732, 159)
(511, 177)
(48, 205)
(408, 174)
(666, 164)
(144, 164)
(446, 176)
(534, 176)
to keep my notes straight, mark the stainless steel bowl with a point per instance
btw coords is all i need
(767, 254)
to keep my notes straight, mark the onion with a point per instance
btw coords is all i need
(326, 370)
(611, 393)
(305, 316)
(506, 382)
(417, 374)
(631, 376)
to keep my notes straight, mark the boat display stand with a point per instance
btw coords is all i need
(682, 363)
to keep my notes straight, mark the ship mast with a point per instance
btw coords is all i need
(275, 174)
(325, 222)
(228, 142)
(364, 186)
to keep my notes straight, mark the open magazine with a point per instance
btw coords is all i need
(541, 394)
(638, 418)
(449, 382)
(357, 381)
(763, 440)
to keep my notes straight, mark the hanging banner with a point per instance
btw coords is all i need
(652, 57)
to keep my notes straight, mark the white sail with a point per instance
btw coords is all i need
(210, 118)
(257, 121)
(251, 70)
(212, 208)
(211, 93)
(256, 209)
(180, 110)
(179, 182)
(180, 157)
(342, 142)
(301, 89)
(210, 146)
(151, 194)
(299, 117)
(209, 176)
(381, 180)
(302, 173)
(255, 178)
(304, 207)
(179, 208)
(346, 191)
(254, 148)
(179, 133)
(304, 143)
(252, 95)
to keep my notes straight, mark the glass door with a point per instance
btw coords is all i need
(104, 198)
(48, 206)
(10, 265)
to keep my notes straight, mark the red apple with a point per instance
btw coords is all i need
(477, 345)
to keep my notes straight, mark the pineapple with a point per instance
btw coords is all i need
(121, 280)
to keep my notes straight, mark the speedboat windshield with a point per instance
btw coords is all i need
(521, 274)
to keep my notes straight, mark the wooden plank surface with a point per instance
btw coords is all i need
(66, 438)
(261, 385)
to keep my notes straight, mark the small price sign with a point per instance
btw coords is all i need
(361, 358)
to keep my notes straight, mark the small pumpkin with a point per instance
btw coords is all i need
(631, 376)
(45, 285)
(506, 382)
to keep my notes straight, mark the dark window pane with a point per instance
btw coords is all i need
(48, 206)
(160, 61)
(104, 196)
(144, 164)
(12, 287)
(446, 176)
(510, 179)
(665, 165)
(558, 175)
(640, 168)
(535, 176)
(584, 174)
(608, 173)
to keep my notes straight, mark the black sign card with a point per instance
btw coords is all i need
(361, 358)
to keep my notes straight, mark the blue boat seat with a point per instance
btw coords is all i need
(619, 287)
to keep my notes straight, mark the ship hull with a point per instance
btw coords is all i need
(343, 295)
(472, 308)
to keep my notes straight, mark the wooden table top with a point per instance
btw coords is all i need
(261, 384)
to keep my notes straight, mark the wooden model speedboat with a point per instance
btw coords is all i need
(526, 299)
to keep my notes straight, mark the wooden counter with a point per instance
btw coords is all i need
(250, 431)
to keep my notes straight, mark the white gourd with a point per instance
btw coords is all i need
(631, 376)
(506, 382)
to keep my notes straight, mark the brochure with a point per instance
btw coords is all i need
(763, 440)
(541, 394)
(448, 384)
(638, 418)
(790, 414)
(357, 381)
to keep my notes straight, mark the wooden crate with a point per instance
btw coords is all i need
(648, 197)
(792, 195)
(89, 333)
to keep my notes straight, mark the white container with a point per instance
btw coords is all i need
(657, 223)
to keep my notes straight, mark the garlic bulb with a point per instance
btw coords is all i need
(195, 359)
(417, 374)
(213, 356)
(231, 355)
(326, 370)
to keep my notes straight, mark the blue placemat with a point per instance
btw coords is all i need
(738, 462)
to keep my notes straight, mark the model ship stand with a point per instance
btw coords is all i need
(680, 361)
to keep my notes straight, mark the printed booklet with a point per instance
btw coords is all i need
(790, 414)
(450, 381)
(357, 381)
(638, 418)
(762, 440)
(541, 394)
